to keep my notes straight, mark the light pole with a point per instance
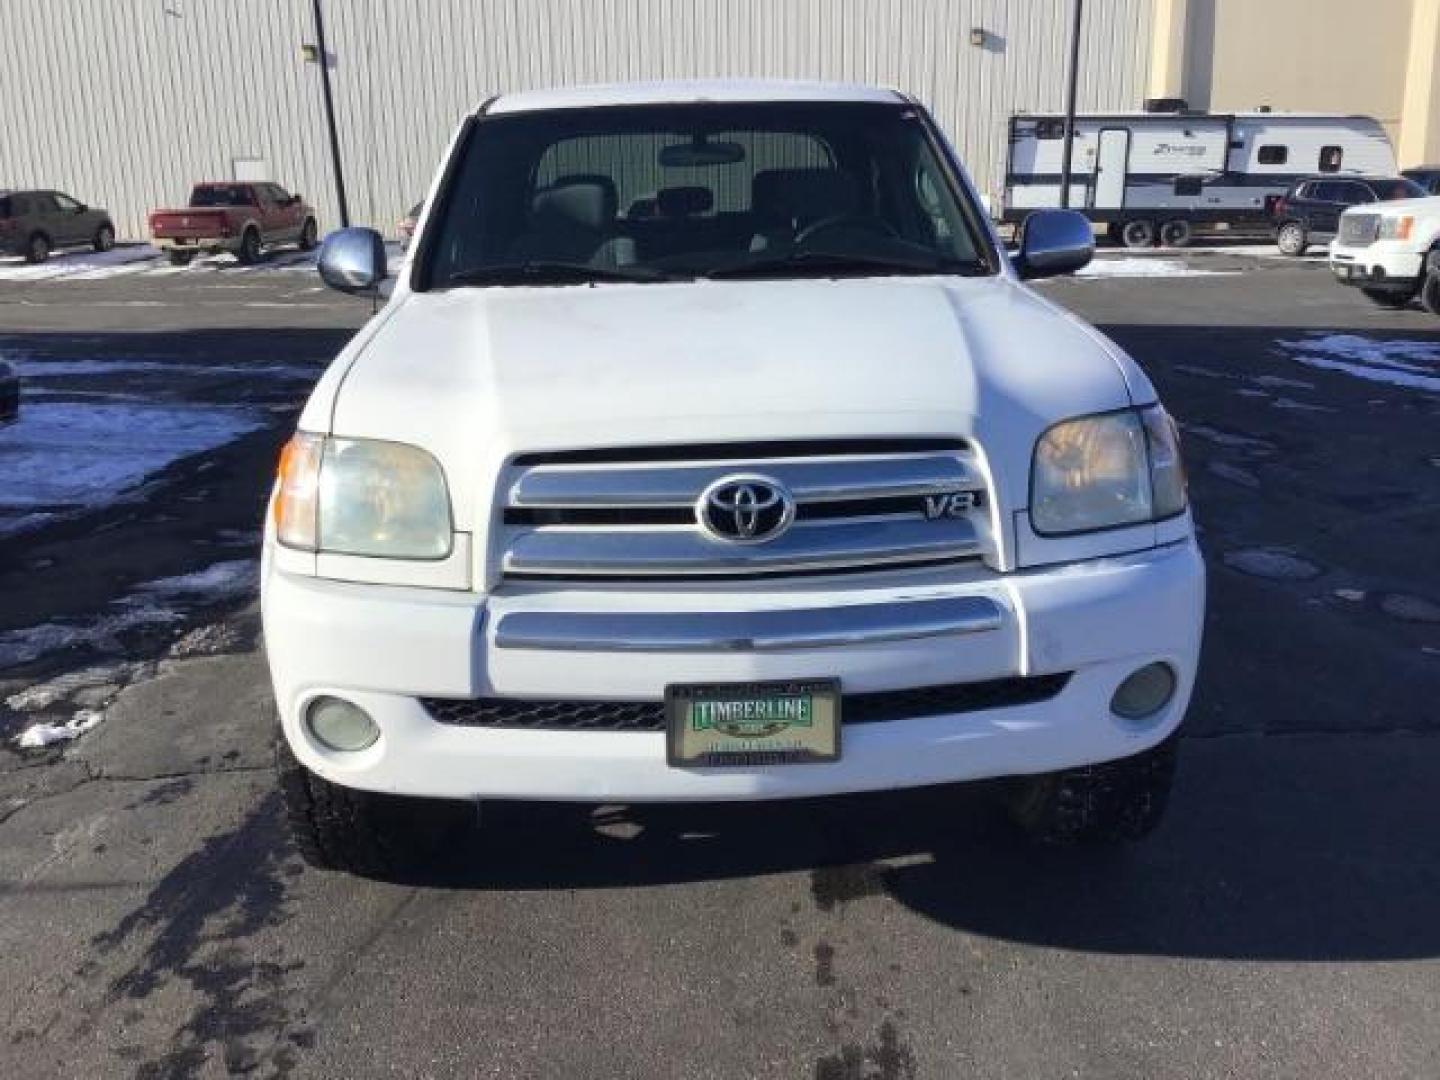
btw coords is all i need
(1070, 89)
(324, 60)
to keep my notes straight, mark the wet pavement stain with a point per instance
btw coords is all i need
(835, 886)
(886, 1058)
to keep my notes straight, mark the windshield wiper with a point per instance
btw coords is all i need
(832, 263)
(545, 272)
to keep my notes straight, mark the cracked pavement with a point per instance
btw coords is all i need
(155, 921)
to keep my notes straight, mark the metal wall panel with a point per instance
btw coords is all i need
(125, 102)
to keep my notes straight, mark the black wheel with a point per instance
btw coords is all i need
(1430, 289)
(37, 248)
(249, 252)
(104, 238)
(1389, 298)
(1098, 804)
(362, 832)
(308, 232)
(1175, 233)
(1291, 239)
(1138, 234)
(180, 258)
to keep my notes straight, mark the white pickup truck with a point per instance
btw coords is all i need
(1391, 252)
(711, 447)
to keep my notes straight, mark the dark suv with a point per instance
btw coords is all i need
(1427, 176)
(35, 223)
(1309, 213)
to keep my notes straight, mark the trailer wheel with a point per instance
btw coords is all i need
(1430, 292)
(1175, 233)
(1138, 234)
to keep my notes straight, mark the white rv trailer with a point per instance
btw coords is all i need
(1158, 174)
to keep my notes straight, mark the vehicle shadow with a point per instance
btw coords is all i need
(1274, 848)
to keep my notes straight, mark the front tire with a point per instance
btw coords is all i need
(1138, 234)
(361, 832)
(1291, 239)
(179, 258)
(1430, 290)
(37, 248)
(104, 238)
(1109, 803)
(308, 234)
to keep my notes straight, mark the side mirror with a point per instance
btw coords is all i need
(1054, 242)
(296, 200)
(353, 261)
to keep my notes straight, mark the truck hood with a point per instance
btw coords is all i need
(1428, 205)
(478, 375)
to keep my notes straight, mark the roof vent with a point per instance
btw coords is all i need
(1166, 104)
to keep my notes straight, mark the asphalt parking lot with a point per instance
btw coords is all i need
(155, 922)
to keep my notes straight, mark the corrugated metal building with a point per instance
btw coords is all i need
(124, 103)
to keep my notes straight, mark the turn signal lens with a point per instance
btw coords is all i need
(1396, 228)
(297, 492)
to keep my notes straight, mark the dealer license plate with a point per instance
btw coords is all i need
(748, 724)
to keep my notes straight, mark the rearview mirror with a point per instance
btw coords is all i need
(353, 261)
(1054, 242)
(700, 152)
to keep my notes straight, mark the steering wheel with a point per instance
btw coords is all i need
(862, 222)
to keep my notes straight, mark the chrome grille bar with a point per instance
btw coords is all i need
(555, 487)
(640, 552)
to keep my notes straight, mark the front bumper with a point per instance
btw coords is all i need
(1382, 264)
(384, 647)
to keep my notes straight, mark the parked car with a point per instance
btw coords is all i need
(33, 223)
(1391, 252)
(408, 223)
(1309, 213)
(243, 219)
(1427, 176)
(800, 493)
(9, 393)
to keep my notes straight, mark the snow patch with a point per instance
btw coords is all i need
(1274, 563)
(1408, 364)
(1132, 266)
(41, 735)
(68, 456)
(151, 605)
(81, 266)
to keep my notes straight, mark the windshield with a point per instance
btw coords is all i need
(1390, 190)
(656, 193)
(220, 195)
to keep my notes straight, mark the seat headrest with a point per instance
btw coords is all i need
(804, 194)
(684, 201)
(587, 201)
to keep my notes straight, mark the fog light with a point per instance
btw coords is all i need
(341, 725)
(1145, 692)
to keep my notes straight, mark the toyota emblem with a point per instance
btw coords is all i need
(745, 509)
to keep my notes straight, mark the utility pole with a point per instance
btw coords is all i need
(1070, 90)
(324, 60)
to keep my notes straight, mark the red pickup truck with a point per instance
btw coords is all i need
(243, 219)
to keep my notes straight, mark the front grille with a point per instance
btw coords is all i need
(869, 708)
(1359, 230)
(631, 514)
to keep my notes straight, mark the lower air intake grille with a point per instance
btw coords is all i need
(650, 715)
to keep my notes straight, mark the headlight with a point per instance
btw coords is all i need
(1396, 228)
(1101, 472)
(362, 497)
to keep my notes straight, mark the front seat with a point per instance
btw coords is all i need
(573, 220)
(787, 201)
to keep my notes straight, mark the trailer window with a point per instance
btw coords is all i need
(1050, 129)
(1330, 158)
(1273, 155)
